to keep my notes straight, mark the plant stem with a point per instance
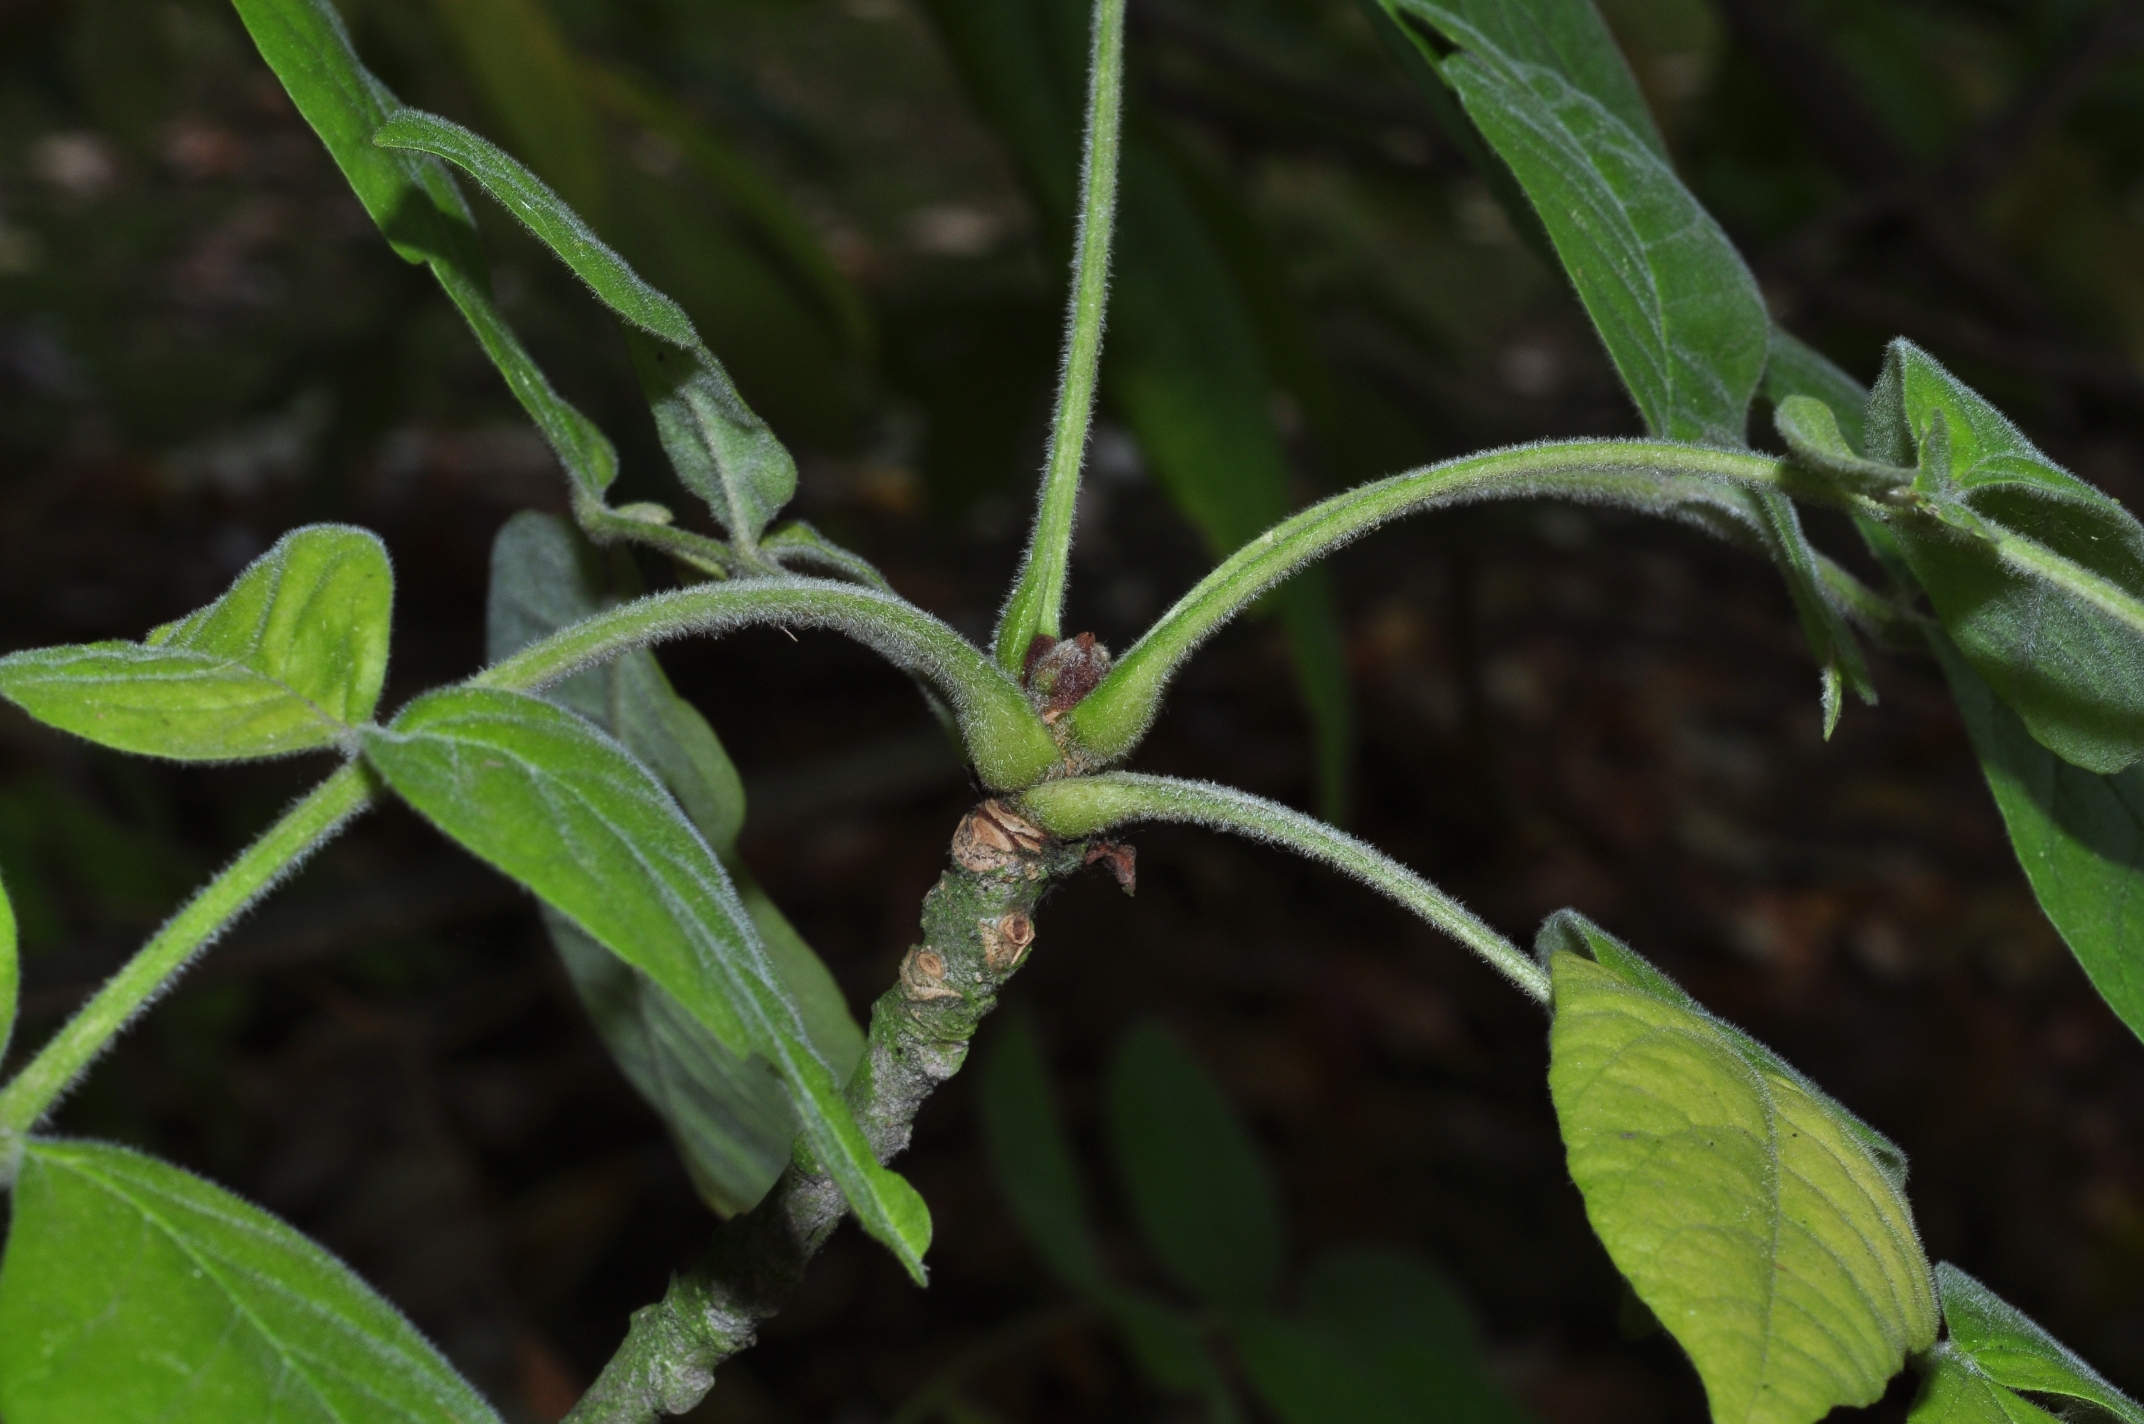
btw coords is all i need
(1089, 805)
(976, 933)
(1008, 742)
(280, 849)
(1036, 604)
(1690, 482)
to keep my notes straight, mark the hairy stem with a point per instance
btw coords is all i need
(977, 929)
(1008, 742)
(1089, 805)
(1036, 604)
(1691, 482)
(281, 848)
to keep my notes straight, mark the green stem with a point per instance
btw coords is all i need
(1008, 742)
(1038, 595)
(1684, 481)
(2038, 561)
(281, 848)
(605, 526)
(1088, 805)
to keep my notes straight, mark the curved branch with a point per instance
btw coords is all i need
(1087, 805)
(1688, 482)
(1006, 739)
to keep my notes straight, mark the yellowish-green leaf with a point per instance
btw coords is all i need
(289, 659)
(1747, 1213)
(1957, 1391)
(10, 970)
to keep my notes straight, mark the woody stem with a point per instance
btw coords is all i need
(977, 927)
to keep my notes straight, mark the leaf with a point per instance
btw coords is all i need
(2078, 834)
(1795, 368)
(2037, 576)
(1746, 1213)
(1672, 300)
(721, 451)
(1196, 1184)
(1172, 1352)
(728, 1115)
(416, 205)
(2013, 1351)
(531, 80)
(558, 806)
(1381, 1337)
(1031, 1157)
(1957, 1392)
(1182, 363)
(10, 971)
(135, 1292)
(289, 659)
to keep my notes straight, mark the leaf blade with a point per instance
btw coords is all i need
(2014, 1351)
(204, 1309)
(1196, 1183)
(290, 658)
(721, 450)
(561, 808)
(1786, 1265)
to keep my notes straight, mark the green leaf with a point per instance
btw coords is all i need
(289, 659)
(2038, 576)
(530, 79)
(1956, 1391)
(10, 971)
(1196, 1184)
(1172, 1352)
(729, 1115)
(721, 451)
(1381, 1337)
(134, 1292)
(1672, 300)
(1795, 368)
(556, 805)
(1033, 1159)
(1747, 1214)
(2078, 834)
(416, 205)
(1838, 654)
(1811, 429)
(2010, 1349)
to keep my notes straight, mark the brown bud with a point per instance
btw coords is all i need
(923, 975)
(1005, 940)
(1060, 674)
(993, 837)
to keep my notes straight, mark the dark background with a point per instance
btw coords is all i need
(203, 343)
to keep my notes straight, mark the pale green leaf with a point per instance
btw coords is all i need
(1956, 1391)
(1671, 298)
(416, 205)
(721, 450)
(560, 807)
(1795, 368)
(2010, 1349)
(1810, 427)
(1032, 1158)
(1197, 1185)
(135, 1293)
(1748, 1216)
(289, 659)
(2037, 576)
(729, 1115)
(2078, 834)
